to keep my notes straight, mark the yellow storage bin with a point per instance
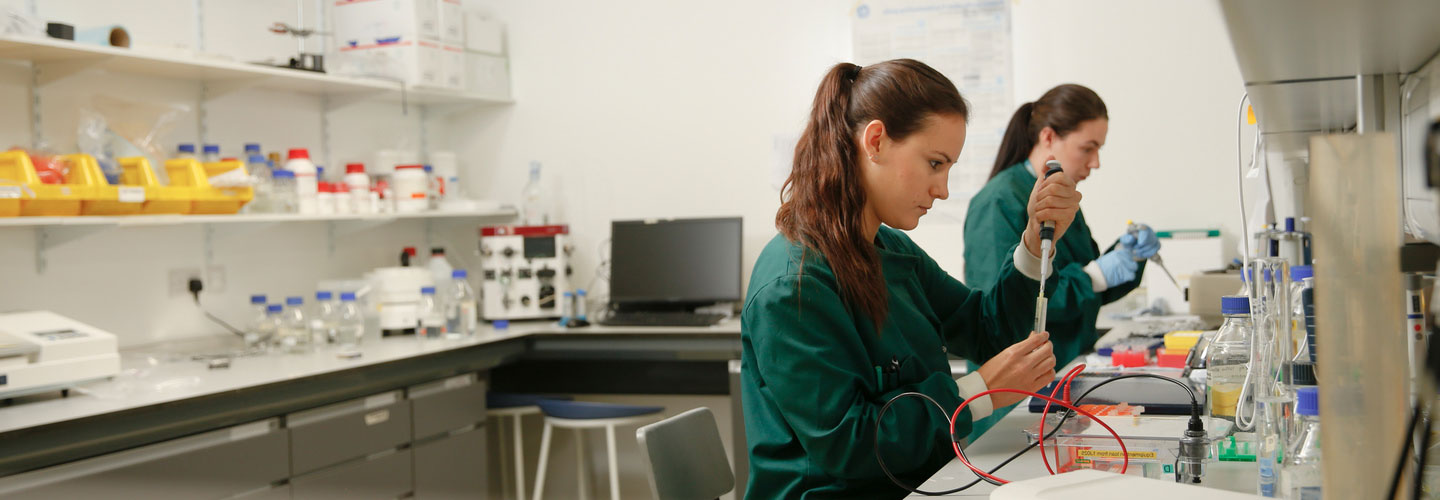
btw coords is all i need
(105, 199)
(159, 199)
(190, 173)
(39, 199)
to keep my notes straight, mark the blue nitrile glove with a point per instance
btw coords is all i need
(1118, 266)
(1141, 241)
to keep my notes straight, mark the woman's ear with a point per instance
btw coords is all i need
(1047, 138)
(872, 139)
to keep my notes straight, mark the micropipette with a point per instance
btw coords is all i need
(1134, 230)
(1047, 244)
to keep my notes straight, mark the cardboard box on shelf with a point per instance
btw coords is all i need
(416, 63)
(366, 23)
(452, 22)
(452, 70)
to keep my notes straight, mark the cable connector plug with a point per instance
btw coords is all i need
(1190, 465)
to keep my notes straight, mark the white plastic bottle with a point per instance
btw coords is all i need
(350, 326)
(323, 318)
(255, 332)
(431, 316)
(212, 153)
(410, 185)
(325, 199)
(359, 184)
(306, 182)
(532, 203)
(460, 317)
(440, 268)
(295, 336)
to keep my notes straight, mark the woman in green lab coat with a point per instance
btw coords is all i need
(844, 312)
(1068, 123)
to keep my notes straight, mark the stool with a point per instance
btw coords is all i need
(500, 405)
(583, 415)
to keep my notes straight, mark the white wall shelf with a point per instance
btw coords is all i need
(57, 60)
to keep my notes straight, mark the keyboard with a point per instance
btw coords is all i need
(661, 318)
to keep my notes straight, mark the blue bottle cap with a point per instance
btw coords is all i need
(257, 299)
(569, 294)
(323, 295)
(1289, 224)
(294, 301)
(427, 290)
(274, 308)
(1234, 304)
(252, 147)
(347, 297)
(212, 148)
(429, 169)
(580, 292)
(284, 174)
(458, 274)
(255, 158)
(319, 171)
(1309, 401)
(501, 324)
(1105, 351)
(187, 148)
(1298, 273)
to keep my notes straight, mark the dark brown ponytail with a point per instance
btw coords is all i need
(822, 200)
(1063, 109)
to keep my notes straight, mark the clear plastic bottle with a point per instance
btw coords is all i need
(274, 321)
(532, 203)
(1229, 358)
(350, 326)
(1302, 474)
(262, 180)
(283, 198)
(440, 268)
(295, 333)
(431, 316)
(253, 148)
(255, 332)
(324, 318)
(460, 317)
(211, 154)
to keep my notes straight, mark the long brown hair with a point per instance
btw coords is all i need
(822, 200)
(1063, 109)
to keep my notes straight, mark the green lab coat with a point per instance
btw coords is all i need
(993, 226)
(815, 373)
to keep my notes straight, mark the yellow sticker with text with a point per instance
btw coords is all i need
(1117, 455)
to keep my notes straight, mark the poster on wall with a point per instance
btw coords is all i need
(968, 41)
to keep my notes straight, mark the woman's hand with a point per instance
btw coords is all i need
(1028, 366)
(1053, 199)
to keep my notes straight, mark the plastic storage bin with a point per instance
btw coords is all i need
(36, 198)
(105, 199)
(159, 199)
(206, 199)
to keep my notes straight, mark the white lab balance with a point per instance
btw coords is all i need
(41, 351)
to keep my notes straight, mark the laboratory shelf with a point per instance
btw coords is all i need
(60, 59)
(173, 220)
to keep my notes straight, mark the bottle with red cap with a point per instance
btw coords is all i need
(359, 185)
(307, 188)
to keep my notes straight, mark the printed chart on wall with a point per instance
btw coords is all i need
(968, 41)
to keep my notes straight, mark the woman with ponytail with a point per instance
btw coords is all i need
(1069, 124)
(844, 311)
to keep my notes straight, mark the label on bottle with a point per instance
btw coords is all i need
(1267, 477)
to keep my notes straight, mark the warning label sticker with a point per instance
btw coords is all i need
(1116, 454)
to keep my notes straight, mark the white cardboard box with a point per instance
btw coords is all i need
(452, 70)
(366, 23)
(487, 75)
(483, 34)
(417, 63)
(452, 22)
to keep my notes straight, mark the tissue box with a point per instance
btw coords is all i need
(416, 63)
(365, 23)
(483, 34)
(488, 75)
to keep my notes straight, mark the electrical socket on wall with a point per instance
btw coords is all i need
(180, 280)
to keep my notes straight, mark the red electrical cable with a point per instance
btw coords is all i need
(1123, 451)
(1065, 383)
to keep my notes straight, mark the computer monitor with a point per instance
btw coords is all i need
(675, 264)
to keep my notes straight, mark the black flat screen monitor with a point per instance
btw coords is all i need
(676, 264)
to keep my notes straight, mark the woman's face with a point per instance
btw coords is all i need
(903, 179)
(1079, 151)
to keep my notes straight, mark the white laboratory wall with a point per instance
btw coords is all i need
(117, 279)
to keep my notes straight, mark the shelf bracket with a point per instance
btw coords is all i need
(51, 237)
(52, 72)
(208, 232)
(330, 238)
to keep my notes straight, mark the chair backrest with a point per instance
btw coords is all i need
(686, 457)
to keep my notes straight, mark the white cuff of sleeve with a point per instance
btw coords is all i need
(1097, 278)
(1026, 263)
(971, 385)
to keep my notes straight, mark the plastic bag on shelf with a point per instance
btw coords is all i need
(48, 165)
(111, 128)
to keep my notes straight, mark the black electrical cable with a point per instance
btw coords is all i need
(1404, 453)
(1194, 405)
(195, 287)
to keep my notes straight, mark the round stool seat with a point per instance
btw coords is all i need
(583, 410)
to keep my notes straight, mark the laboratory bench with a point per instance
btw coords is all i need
(406, 417)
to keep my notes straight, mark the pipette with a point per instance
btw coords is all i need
(1134, 230)
(1047, 246)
